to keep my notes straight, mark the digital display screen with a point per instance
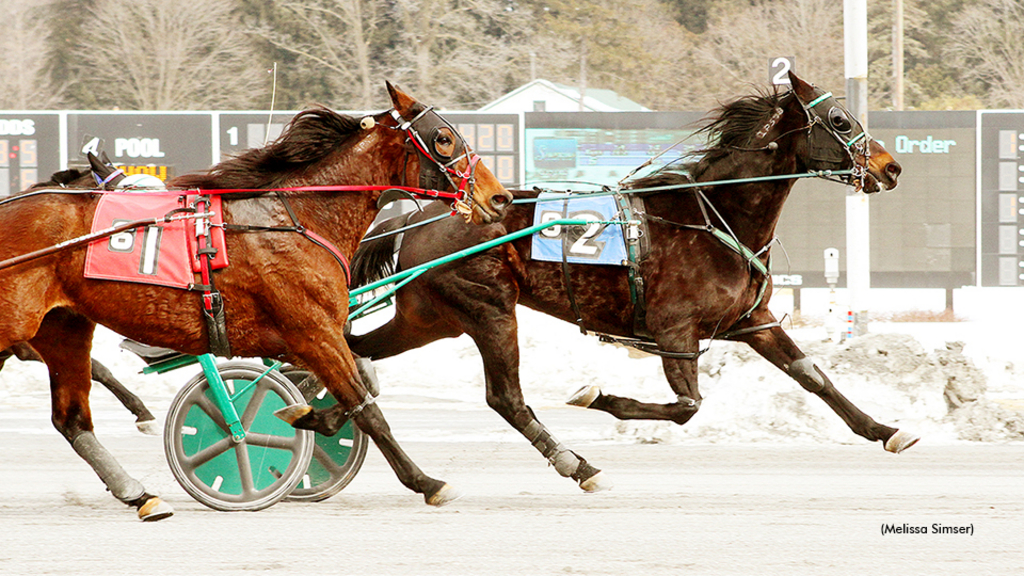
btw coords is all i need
(1001, 197)
(240, 131)
(29, 150)
(922, 233)
(159, 144)
(582, 151)
(493, 137)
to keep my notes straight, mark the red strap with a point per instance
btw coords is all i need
(228, 191)
(326, 244)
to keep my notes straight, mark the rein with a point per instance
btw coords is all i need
(606, 191)
(172, 216)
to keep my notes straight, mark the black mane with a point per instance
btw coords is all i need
(67, 177)
(311, 136)
(732, 125)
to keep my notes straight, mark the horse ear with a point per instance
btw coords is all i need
(803, 90)
(402, 101)
(98, 166)
(102, 168)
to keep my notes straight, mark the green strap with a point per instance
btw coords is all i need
(740, 249)
(855, 139)
(819, 99)
(631, 249)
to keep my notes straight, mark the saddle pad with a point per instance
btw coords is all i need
(593, 244)
(161, 254)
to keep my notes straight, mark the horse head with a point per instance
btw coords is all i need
(837, 141)
(443, 160)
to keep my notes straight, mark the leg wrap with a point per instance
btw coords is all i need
(564, 461)
(808, 375)
(121, 485)
(369, 375)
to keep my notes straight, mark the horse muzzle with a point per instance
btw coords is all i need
(491, 208)
(882, 170)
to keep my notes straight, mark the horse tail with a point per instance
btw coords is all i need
(375, 257)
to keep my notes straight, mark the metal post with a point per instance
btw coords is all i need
(897, 55)
(858, 225)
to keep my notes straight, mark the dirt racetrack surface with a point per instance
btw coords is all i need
(729, 509)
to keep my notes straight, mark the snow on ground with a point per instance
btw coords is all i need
(900, 374)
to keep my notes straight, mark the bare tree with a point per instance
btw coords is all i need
(168, 55)
(734, 52)
(986, 45)
(23, 83)
(337, 36)
(460, 52)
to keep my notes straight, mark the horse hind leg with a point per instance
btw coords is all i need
(500, 352)
(144, 419)
(64, 341)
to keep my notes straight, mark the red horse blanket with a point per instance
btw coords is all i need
(162, 254)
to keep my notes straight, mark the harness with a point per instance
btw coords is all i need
(637, 249)
(434, 177)
(826, 120)
(443, 162)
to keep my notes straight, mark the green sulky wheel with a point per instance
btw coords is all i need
(336, 459)
(215, 470)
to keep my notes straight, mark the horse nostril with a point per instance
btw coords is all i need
(893, 170)
(501, 201)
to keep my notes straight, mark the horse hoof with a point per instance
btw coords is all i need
(149, 427)
(445, 495)
(585, 396)
(155, 509)
(900, 441)
(596, 483)
(291, 414)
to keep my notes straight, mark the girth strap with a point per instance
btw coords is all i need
(213, 302)
(638, 245)
(565, 271)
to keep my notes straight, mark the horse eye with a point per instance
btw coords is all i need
(444, 144)
(837, 118)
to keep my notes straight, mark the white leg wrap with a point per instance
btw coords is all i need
(807, 375)
(564, 461)
(121, 485)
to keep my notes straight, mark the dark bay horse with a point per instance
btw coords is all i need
(285, 291)
(144, 419)
(696, 285)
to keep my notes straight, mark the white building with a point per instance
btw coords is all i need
(547, 96)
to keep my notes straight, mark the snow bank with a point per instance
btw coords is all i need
(903, 375)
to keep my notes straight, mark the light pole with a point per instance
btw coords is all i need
(858, 215)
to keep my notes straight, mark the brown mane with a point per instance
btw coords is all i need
(311, 136)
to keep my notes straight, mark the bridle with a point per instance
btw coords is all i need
(440, 164)
(827, 118)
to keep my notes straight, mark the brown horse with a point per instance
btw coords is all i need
(285, 294)
(698, 281)
(144, 419)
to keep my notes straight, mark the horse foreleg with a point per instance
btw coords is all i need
(777, 347)
(338, 371)
(144, 419)
(63, 341)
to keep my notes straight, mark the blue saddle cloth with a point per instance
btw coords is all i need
(593, 244)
